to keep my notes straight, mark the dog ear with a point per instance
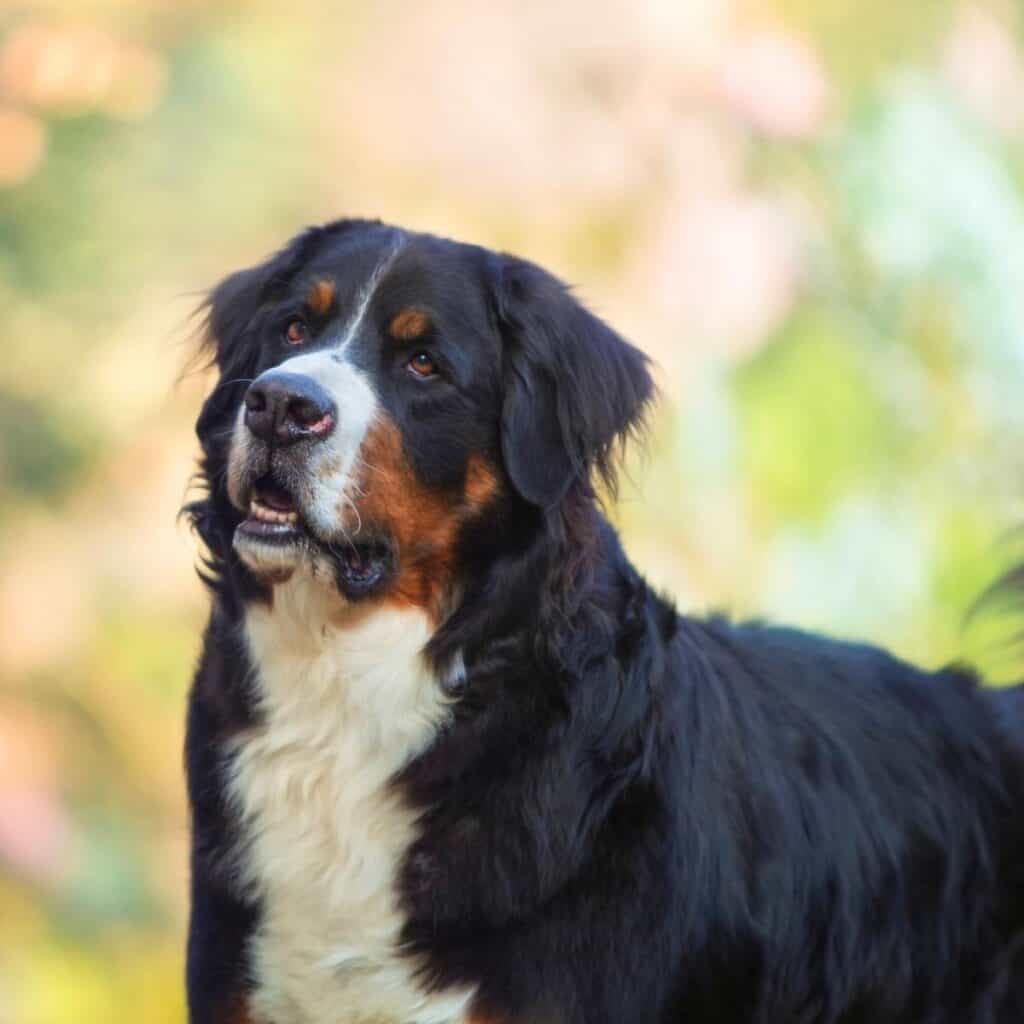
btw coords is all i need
(574, 390)
(231, 308)
(230, 314)
(232, 305)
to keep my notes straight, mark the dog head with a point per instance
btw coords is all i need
(383, 394)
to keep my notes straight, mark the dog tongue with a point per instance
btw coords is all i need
(276, 498)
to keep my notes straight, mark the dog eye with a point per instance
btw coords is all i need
(296, 332)
(422, 364)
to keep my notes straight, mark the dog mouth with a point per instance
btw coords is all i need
(274, 524)
(360, 567)
(273, 515)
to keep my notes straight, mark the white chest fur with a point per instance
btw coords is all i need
(344, 709)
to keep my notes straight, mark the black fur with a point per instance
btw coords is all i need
(635, 816)
(573, 388)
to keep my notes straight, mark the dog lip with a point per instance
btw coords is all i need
(275, 531)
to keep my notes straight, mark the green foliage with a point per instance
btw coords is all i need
(813, 427)
(42, 454)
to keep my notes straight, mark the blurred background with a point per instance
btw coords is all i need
(809, 213)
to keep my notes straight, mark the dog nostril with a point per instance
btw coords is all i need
(255, 400)
(305, 412)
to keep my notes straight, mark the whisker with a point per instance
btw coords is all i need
(368, 465)
(347, 502)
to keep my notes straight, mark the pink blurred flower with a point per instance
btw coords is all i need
(22, 145)
(62, 66)
(35, 833)
(70, 68)
(725, 269)
(35, 829)
(774, 81)
(983, 64)
(546, 106)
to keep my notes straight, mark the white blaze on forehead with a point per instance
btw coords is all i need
(366, 294)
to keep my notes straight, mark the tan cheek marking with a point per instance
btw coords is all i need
(320, 296)
(409, 325)
(422, 522)
(481, 483)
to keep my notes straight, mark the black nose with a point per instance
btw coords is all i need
(282, 408)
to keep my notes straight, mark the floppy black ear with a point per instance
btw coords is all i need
(232, 305)
(573, 388)
(231, 308)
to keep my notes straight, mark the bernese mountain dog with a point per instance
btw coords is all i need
(452, 761)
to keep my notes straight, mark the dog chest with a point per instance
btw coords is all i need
(324, 832)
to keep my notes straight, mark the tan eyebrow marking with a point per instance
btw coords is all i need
(320, 296)
(409, 324)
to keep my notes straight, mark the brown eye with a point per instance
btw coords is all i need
(295, 332)
(423, 365)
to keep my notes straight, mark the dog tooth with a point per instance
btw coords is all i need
(266, 514)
